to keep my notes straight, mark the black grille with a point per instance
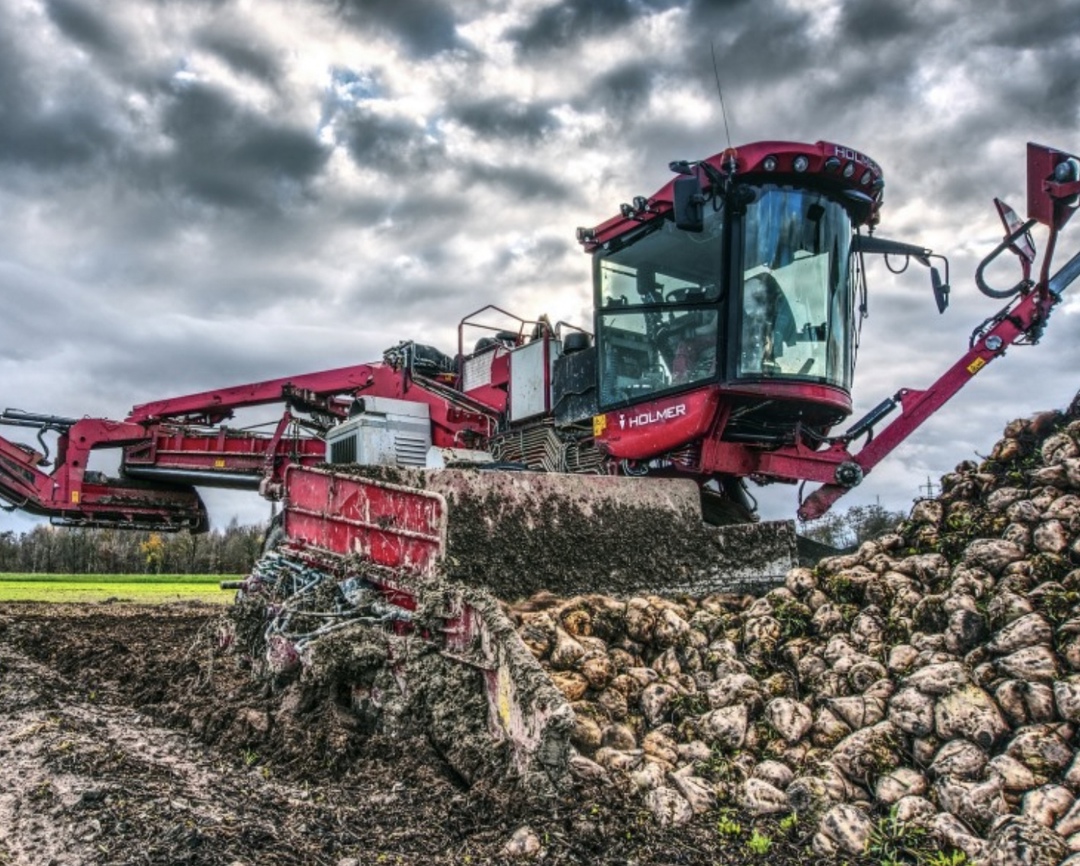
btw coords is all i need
(343, 450)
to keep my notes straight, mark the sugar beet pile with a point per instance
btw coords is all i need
(933, 675)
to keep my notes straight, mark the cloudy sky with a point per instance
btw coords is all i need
(203, 192)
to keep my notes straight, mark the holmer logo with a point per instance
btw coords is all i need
(855, 156)
(651, 417)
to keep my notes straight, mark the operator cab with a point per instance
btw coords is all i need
(754, 295)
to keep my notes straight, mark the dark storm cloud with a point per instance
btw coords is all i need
(529, 184)
(262, 284)
(168, 365)
(228, 155)
(382, 294)
(24, 303)
(624, 89)
(438, 286)
(409, 209)
(498, 117)
(418, 208)
(424, 27)
(756, 43)
(82, 23)
(242, 54)
(563, 24)
(1041, 24)
(867, 21)
(52, 139)
(861, 84)
(878, 53)
(1049, 95)
(41, 129)
(960, 150)
(387, 144)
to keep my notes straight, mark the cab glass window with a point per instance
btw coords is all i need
(658, 328)
(796, 301)
(638, 360)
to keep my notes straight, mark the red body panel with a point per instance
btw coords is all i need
(227, 452)
(493, 394)
(646, 430)
(401, 528)
(792, 392)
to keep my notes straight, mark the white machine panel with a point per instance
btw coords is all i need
(530, 379)
(382, 431)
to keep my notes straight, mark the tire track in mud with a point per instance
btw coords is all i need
(125, 740)
(36, 821)
(121, 743)
(80, 779)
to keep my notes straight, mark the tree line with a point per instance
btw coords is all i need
(55, 550)
(848, 529)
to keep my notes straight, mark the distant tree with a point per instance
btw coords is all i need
(39, 550)
(75, 550)
(852, 527)
(240, 548)
(107, 553)
(153, 550)
(9, 551)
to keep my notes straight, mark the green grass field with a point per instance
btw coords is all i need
(142, 588)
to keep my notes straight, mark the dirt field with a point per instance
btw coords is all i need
(125, 740)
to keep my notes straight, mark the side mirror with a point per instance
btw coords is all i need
(941, 290)
(871, 244)
(688, 204)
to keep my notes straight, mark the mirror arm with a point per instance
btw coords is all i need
(871, 244)
(1021, 286)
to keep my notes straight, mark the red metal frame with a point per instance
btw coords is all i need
(175, 442)
(69, 495)
(181, 438)
(225, 453)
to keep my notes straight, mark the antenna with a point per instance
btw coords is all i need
(723, 111)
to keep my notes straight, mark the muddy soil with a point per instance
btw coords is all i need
(125, 738)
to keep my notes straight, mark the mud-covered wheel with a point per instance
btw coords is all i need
(275, 534)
